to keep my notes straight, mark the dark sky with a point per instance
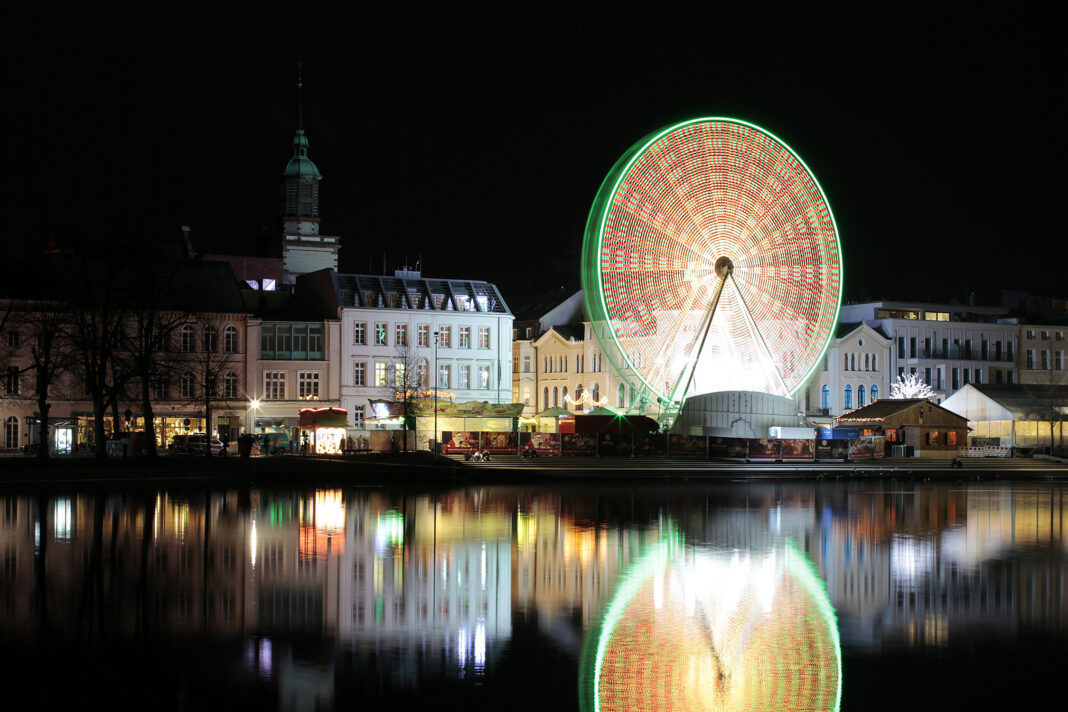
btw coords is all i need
(477, 139)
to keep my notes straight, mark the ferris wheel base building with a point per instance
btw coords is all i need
(736, 414)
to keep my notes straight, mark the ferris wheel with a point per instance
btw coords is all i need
(711, 261)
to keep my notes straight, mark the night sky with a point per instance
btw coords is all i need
(476, 140)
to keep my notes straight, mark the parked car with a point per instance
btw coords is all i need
(195, 444)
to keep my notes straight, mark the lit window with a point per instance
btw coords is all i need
(444, 372)
(421, 369)
(380, 374)
(357, 416)
(874, 393)
(380, 334)
(848, 397)
(446, 336)
(308, 385)
(402, 335)
(483, 337)
(465, 337)
(464, 376)
(424, 335)
(825, 398)
(484, 377)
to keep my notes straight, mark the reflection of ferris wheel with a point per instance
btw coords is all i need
(712, 262)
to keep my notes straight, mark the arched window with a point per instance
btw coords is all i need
(578, 393)
(874, 393)
(211, 339)
(825, 398)
(867, 362)
(874, 365)
(556, 397)
(230, 385)
(849, 397)
(230, 340)
(860, 396)
(845, 364)
(545, 398)
(596, 392)
(11, 433)
(563, 396)
(853, 362)
(188, 338)
(622, 396)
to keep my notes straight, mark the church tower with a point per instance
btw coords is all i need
(303, 248)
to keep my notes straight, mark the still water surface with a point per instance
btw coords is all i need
(859, 595)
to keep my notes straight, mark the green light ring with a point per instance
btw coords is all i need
(592, 277)
(797, 565)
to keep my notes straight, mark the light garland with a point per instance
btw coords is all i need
(586, 399)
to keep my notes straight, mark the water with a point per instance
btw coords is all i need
(862, 595)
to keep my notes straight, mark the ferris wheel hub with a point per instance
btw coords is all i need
(724, 266)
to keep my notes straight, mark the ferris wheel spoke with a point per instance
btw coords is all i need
(793, 309)
(760, 337)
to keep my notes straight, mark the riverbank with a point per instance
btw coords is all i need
(283, 469)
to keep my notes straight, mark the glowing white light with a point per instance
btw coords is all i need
(480, 647)
(252, 543)
(910, 385)
(62, 518)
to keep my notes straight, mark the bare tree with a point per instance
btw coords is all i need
(407, 378)
(1051, 395)
(208, 374)
(45, 323)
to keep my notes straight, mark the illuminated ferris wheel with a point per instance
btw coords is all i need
(711, 262)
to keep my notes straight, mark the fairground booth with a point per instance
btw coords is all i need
(323, 430)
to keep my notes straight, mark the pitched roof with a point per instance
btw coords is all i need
(880, 409)
(372, 291)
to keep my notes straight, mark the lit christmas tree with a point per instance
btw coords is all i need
(910, 386)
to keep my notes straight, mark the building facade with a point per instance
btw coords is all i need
(854, 372)
(948, 345)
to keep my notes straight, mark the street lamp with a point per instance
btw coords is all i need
(435, 392)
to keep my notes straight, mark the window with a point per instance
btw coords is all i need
(956, 379)
(515, 364)
(867, 362)
(530, 330)
(274, 385)
(380, 334)
(1059, 336)
(556, 397)
(860, 396)
(978, 375)
(596, 391)
(526, 395)
(11, 433)
(1030, 358)
(446, 336)
(1030, 333)
(463, 376)
(230, 340)
(444, 372)
(563, 395)
(578, 363)
(875, 362)
(188, 339)
(359, 373)
(526, 364)
(1045, 359)
(162, 388)
(185, 385)
(401, 335)
(825, 398)
(912, 347)
(465, 337)
(308, 385)
(230, 385)
(848, 397)
(400, 375)
(845, 363)
(484, 377)
(1045, 336)
(901, 347)
(423, 335)
(621, 395)
(421, 377)
(1060, 360)
(13, 338)
(359, 334)
(357, 416)
(211, 340)
(380, 374)
(874, 393)
(11, 381)
(483, 337)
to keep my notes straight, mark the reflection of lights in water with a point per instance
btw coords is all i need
(62, 518)
(483, 566)
(703, 629)
(389, 531)
(252, 544)
(258, 656)
(461, 649)
(910, 559)
(480, 648)
(329, 510)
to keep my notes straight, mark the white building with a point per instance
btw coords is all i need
(949, 345)
(855, 372)
(455, 333)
